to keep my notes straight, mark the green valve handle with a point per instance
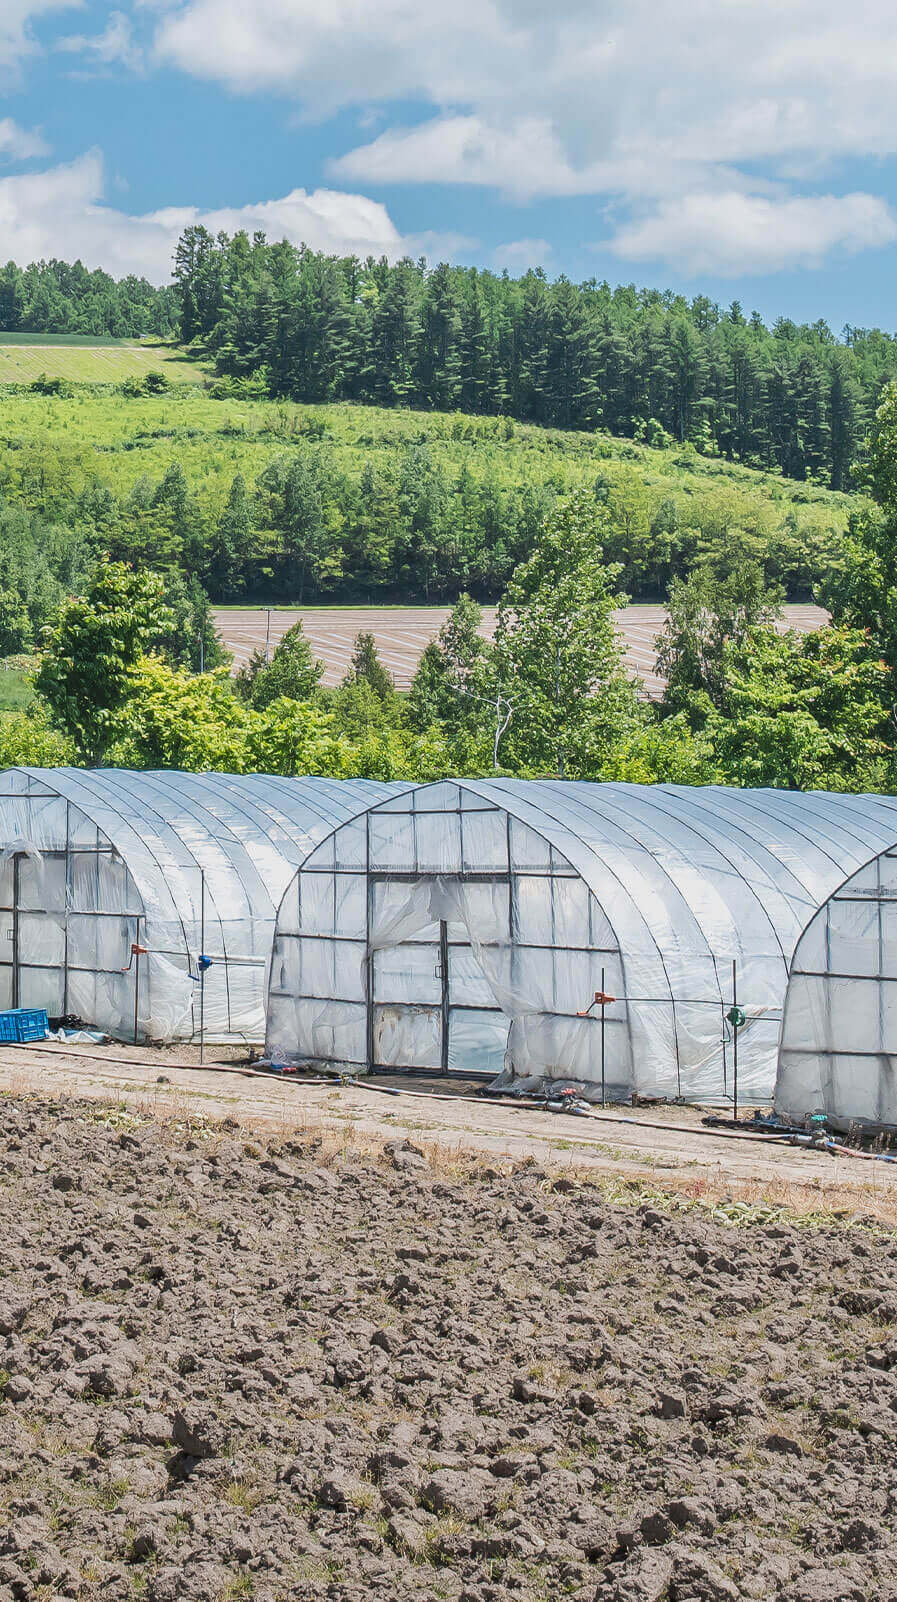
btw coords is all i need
(736, 1017)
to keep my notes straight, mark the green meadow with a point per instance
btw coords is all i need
(120, 439)
(85, 360)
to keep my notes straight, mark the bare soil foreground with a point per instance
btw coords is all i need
(304, 1365)
(402, 633)
(669, 1146)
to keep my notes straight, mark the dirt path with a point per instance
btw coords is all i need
(669, 1144)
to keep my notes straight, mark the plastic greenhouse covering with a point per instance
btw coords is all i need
(464, 927)
(180, 865)
(839, 1033)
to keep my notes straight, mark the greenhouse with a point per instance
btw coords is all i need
(144, 903)
(838, 1052)
(467, 927)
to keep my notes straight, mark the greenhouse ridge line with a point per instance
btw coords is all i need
(402, 633)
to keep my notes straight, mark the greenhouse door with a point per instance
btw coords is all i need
(33, 949)
(430, 1006)
(408, 1005)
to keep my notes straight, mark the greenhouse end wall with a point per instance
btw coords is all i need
(838, 1054)
(69, 912)
(437, 932)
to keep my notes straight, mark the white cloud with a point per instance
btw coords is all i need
(631, 100)
(115, 44)
(20, 144)
(525, 158)
(438, 245)
(347, 52)
(518, 254)
(611, 80)
(61, 212)
(734, 233)
(16, 37)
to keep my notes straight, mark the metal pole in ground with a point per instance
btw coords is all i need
(603, 1086)
(137, 981)
(202, 965)
(735, 1040)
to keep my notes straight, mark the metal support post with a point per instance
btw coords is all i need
(137, 982)
(735, 1019)
(16, 863)
(603, 1057)
(444, 981)
(202, 963)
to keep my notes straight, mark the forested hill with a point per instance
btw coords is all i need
(643, 364)
(54, 297)
(638, 363)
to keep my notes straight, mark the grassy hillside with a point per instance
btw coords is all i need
(15, 686)
(82, 360)
(415, 505)
(121, 439)
(98, 433)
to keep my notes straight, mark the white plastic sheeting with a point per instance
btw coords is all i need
(838, 1052)
(464, 926)
(93, 862)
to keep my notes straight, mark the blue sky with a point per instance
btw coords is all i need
(746, 150)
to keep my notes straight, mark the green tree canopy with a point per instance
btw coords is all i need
(15, 624)
(231, 545)
(707, 613)
(801, 712)
(366, 667)
(557, 663)
(293, 671)
(447, 687)
(90, 649)
(861, 592)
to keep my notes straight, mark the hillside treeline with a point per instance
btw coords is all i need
(643, 364)
(54, 297)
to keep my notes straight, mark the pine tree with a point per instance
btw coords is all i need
(292, 672)
(366, 667)
(439, 378)
(232, 544)
(303, 528)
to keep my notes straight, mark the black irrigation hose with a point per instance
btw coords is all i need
(768, 1137)
(389, 1090)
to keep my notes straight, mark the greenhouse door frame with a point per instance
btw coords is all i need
(444, 946)
(16, 911)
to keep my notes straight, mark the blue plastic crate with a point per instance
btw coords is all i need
(22, 1024)
(31, 1023)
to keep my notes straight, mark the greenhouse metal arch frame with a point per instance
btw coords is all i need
(423, 935)
(96, 863)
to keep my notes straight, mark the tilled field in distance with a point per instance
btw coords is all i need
(403, 632)
(231, 1369)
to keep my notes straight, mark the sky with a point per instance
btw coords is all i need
(742, 149)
